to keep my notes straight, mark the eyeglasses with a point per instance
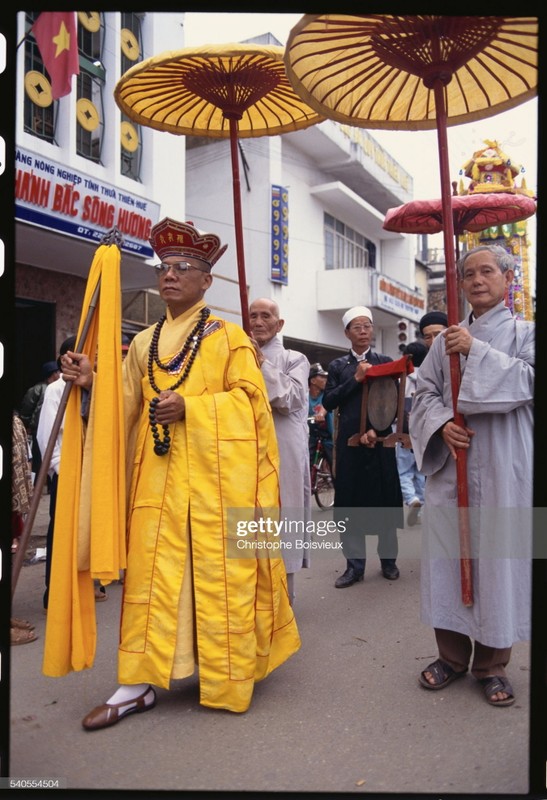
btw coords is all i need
(359, 328)
(179, 267)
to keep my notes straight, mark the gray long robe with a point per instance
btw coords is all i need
(286, 376)
(496, 399)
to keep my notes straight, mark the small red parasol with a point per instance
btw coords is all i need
(470, 212)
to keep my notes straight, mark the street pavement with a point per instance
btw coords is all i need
(345, 714)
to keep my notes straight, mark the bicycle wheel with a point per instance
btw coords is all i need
(324, 485)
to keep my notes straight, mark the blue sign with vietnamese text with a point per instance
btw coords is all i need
(50, 195)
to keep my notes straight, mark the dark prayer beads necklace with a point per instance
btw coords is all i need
(189, 352)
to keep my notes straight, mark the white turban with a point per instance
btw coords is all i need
(356, 311)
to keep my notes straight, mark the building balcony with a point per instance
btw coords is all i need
(340, 289)
(353, 157)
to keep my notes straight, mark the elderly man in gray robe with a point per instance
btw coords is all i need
(495, 399)
(286, 376)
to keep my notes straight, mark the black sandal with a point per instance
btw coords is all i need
(442, 673)
(494, 684)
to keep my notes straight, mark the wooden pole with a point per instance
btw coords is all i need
(239, 227)
(453, 319)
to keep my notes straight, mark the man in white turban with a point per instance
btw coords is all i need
(366, 480)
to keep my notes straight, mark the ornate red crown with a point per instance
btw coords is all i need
(172, 238)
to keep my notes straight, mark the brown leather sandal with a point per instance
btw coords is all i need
(21, 636)
(23, 624)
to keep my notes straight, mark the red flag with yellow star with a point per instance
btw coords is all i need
(55, 34)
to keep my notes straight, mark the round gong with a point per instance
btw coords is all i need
(382, 402)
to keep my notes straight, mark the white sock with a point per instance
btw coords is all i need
(127, 693)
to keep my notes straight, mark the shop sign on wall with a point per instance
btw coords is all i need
(279, 272)
(397, 298)
(61, 199)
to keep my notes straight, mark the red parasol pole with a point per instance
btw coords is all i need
(453, 319)
(239, 225)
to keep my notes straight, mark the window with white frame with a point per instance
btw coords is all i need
(40, 112)
(345, 248)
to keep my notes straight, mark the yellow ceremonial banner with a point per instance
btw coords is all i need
(89, 535)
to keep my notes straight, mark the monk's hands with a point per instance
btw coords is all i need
(76, 367)
(456, 437)
(457, 340)
(369, 438)
(170, 408)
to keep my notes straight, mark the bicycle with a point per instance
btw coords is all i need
(322, 484)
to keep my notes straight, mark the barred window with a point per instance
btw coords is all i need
(131, 31)
(91, 37)
(345, 248)
(90, 85)
(131, 138)
(89, 115)
(39, 119)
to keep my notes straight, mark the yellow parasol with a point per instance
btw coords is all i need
(418, 73)
(220, 91)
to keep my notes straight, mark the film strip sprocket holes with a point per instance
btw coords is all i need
(4, 645)
(7, 283)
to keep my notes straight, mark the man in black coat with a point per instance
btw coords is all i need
(368, 496)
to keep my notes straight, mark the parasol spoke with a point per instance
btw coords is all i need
(399, 89)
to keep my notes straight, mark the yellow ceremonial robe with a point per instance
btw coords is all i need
(223, 456)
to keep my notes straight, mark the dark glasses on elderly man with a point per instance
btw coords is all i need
(179, 266)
